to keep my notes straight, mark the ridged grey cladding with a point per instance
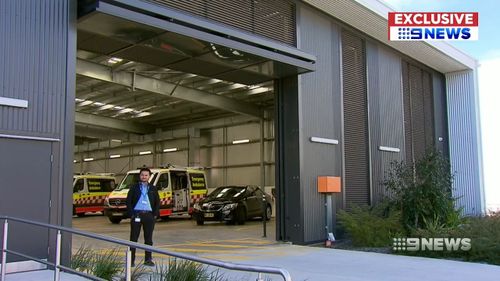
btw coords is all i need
(37, 50)
(418, 105)
(385, 112)
(320, 111)
(356, 139)
(464, 141)
(33, 66)
(273, 19)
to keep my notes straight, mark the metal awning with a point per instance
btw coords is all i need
(133, 35)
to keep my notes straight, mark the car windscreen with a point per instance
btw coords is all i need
(133, 178)
(228, 192)
(128, 180)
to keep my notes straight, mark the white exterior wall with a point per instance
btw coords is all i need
(465, 141)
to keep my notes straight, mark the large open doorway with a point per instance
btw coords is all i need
(158, 93)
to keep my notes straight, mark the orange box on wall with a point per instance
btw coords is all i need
(327, 184)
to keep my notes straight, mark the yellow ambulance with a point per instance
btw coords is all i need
(179, 188)
(90, 191)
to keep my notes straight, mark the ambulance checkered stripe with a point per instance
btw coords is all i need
(197, 198)
(166, 201)
(90, 200)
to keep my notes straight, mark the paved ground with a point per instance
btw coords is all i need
(41, 275)
(244, 244)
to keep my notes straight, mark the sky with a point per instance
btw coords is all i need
(487, 51)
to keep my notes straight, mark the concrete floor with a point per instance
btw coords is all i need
(183, 235)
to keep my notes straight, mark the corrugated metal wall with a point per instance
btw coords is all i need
(464, 137)
(320, 115)
(419, 110)
(385, 103)
(356, 135)
(33, 55)
(273, 19)
(37, 54)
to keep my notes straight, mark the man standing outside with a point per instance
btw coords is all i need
(143, 207)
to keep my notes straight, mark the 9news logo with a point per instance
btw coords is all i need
(433, 26)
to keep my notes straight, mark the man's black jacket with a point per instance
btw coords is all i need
(134, 194)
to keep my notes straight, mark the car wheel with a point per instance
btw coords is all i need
(81, 215)
(241, 215)
(115, 220)
(200, 221)
(269, 212)
(164, 218)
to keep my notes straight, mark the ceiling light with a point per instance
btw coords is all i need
(78, 100)
(74, 161)
(241, 141)
(143, 114)
(115, 156)
(170, 149)
(84, 103)
(126, 110)
(114, 60)
(145, 152)
(104, 107)
(98, 103)
(88, 159)
(116, 140)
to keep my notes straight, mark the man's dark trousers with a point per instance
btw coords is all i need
(148, 225)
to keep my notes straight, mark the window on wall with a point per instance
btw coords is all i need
(418, 111)
(356, 157)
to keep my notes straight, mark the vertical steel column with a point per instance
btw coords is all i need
(4, 249)
(263, 177)
(224, 155)
(57, 271)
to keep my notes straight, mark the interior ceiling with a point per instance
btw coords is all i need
(138, 79)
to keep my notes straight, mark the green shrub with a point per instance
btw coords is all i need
(484, 233)
(423, 192)
(183, 270)
(371, 226)
(82, 259)
(107, 265)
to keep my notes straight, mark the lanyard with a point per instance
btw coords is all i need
(144, 190)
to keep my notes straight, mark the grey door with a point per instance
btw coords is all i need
(25, 169)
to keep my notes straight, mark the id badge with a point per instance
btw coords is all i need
(137, 219)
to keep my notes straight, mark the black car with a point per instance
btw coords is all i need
(233, 204)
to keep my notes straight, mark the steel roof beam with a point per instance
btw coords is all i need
(113, 123)
(144, 83)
